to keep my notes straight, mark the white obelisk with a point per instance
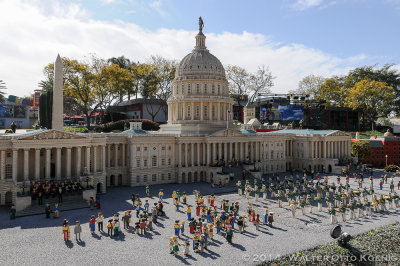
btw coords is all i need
(57, 120)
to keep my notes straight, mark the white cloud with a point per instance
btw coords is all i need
(157, 6)
(32, 37)
(306, 4)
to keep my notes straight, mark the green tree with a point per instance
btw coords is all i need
(387, 74)
(374, 98)
(2, 93)
(360, 149)
(332, 92)
(310, 85)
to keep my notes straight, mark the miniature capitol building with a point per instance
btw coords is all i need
(198, 140)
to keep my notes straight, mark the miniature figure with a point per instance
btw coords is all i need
(92, 224)
(110, 227)
(12, 212)
(65, 230)
(77, 231)
(56, 211)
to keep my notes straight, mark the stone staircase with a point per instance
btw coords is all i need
(71, 202)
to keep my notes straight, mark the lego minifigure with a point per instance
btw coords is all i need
(177, 227)
(47, 210)
(184, 198)
(137, 228)
(375, 203)
(147, 191)
(161, 194)
(257, 222)
(360, 207)
(186, 252)
(382, 201)
(91, 203)
(342, 210)
(110, 227)
(279, 196)
(212, 203)
(183, 227)
(196, 239)
(116, 227)
(293, 206)
(332, 212)
(396, 200)
(92, 224)
(229, 233)
(367, 205)
(174, 197)
(270, 219)
(12, 212)
(189, 212)
(390, 200)
(125, 220)
(99, 220)
(211, 230)
(176, 245)
(77, 231)
(302, 206)
(65, 230)
(56, 211)
(171, 245)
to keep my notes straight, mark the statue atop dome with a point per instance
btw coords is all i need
(201, 24)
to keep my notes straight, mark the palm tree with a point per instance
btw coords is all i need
(121, 61)
(2, 93)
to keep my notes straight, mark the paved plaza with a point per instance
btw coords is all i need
(37, 240)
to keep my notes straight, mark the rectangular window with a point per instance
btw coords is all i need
(137, 148)
(145, 178)
(154, 161)
(205, 88)
(197, 111)
(218, 89)
(163, 148)
(154, 177)
(137, 163)
(213, 89)
(163, 162)
(205, 112)
(145, 163)
(169, 161)
(169, 176)
(138, 179)
(169, 148)
(145, 148)
(183, 89)
(162, 177)
(189, 91)
(188, 111)
(8, 171)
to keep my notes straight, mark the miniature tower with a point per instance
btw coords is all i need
(58, 110)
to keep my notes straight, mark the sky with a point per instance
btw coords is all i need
(293, 38)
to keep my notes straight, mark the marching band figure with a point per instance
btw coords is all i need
(390, 200)
(279, 199)
(375, 203)
(239, 187)
(264, 191)
(319, 202)
(360, 207)
(367, 205)
(396, 199)
(382, 203)
(342, 210)
(293, 207)
(332, 212)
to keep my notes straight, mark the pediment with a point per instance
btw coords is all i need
(227, 133)
(338, 133)
(49, 134)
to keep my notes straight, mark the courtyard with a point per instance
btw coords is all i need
(37, 240)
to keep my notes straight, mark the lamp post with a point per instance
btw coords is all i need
(386, 156)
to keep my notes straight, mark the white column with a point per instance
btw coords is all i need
(198, 145)
(116, 155)
(37, 164)
(95, 166)
(219, 151)
(214, 152)
(246, 150)
(3, 165)
(186, 155)
(78, 160)
(192, 111)
(58, 163)
(225, 151)
(176, 111)
(109, 155)
(192, 154)
(324, 149)
(208, 154)
(183, 111)
(48, 159)
(230, 151)
(201, 111)
(180, 154)
(123, 157)
(159, 156)
(132, 156)
(88, 159)
(236, 151)
(69, 163)
(219, 111)
(15, 166)
(26, 164)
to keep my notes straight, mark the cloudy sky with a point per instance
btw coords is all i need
(294, 38)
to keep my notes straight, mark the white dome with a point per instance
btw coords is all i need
(200, 62)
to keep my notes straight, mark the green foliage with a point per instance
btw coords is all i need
(391, 168)
(8, 131)
(76, 129)
(2, 93)
(120, 125)
(360, 149)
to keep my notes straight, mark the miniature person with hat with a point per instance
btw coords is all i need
(65, 230)
(77, 231)
(110, 227)
(161, 194)
(270, 219)
(177, 227)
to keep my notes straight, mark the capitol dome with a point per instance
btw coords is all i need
(200, 61)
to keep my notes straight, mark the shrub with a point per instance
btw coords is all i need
(119, 125)
(391, 168)
(76, 129)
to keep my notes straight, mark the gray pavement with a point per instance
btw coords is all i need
(37, 240)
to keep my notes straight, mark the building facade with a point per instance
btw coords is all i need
(198, 140)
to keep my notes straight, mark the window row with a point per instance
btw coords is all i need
(200, 89)
(154, 177)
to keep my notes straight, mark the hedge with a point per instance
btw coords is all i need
(120, 125)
